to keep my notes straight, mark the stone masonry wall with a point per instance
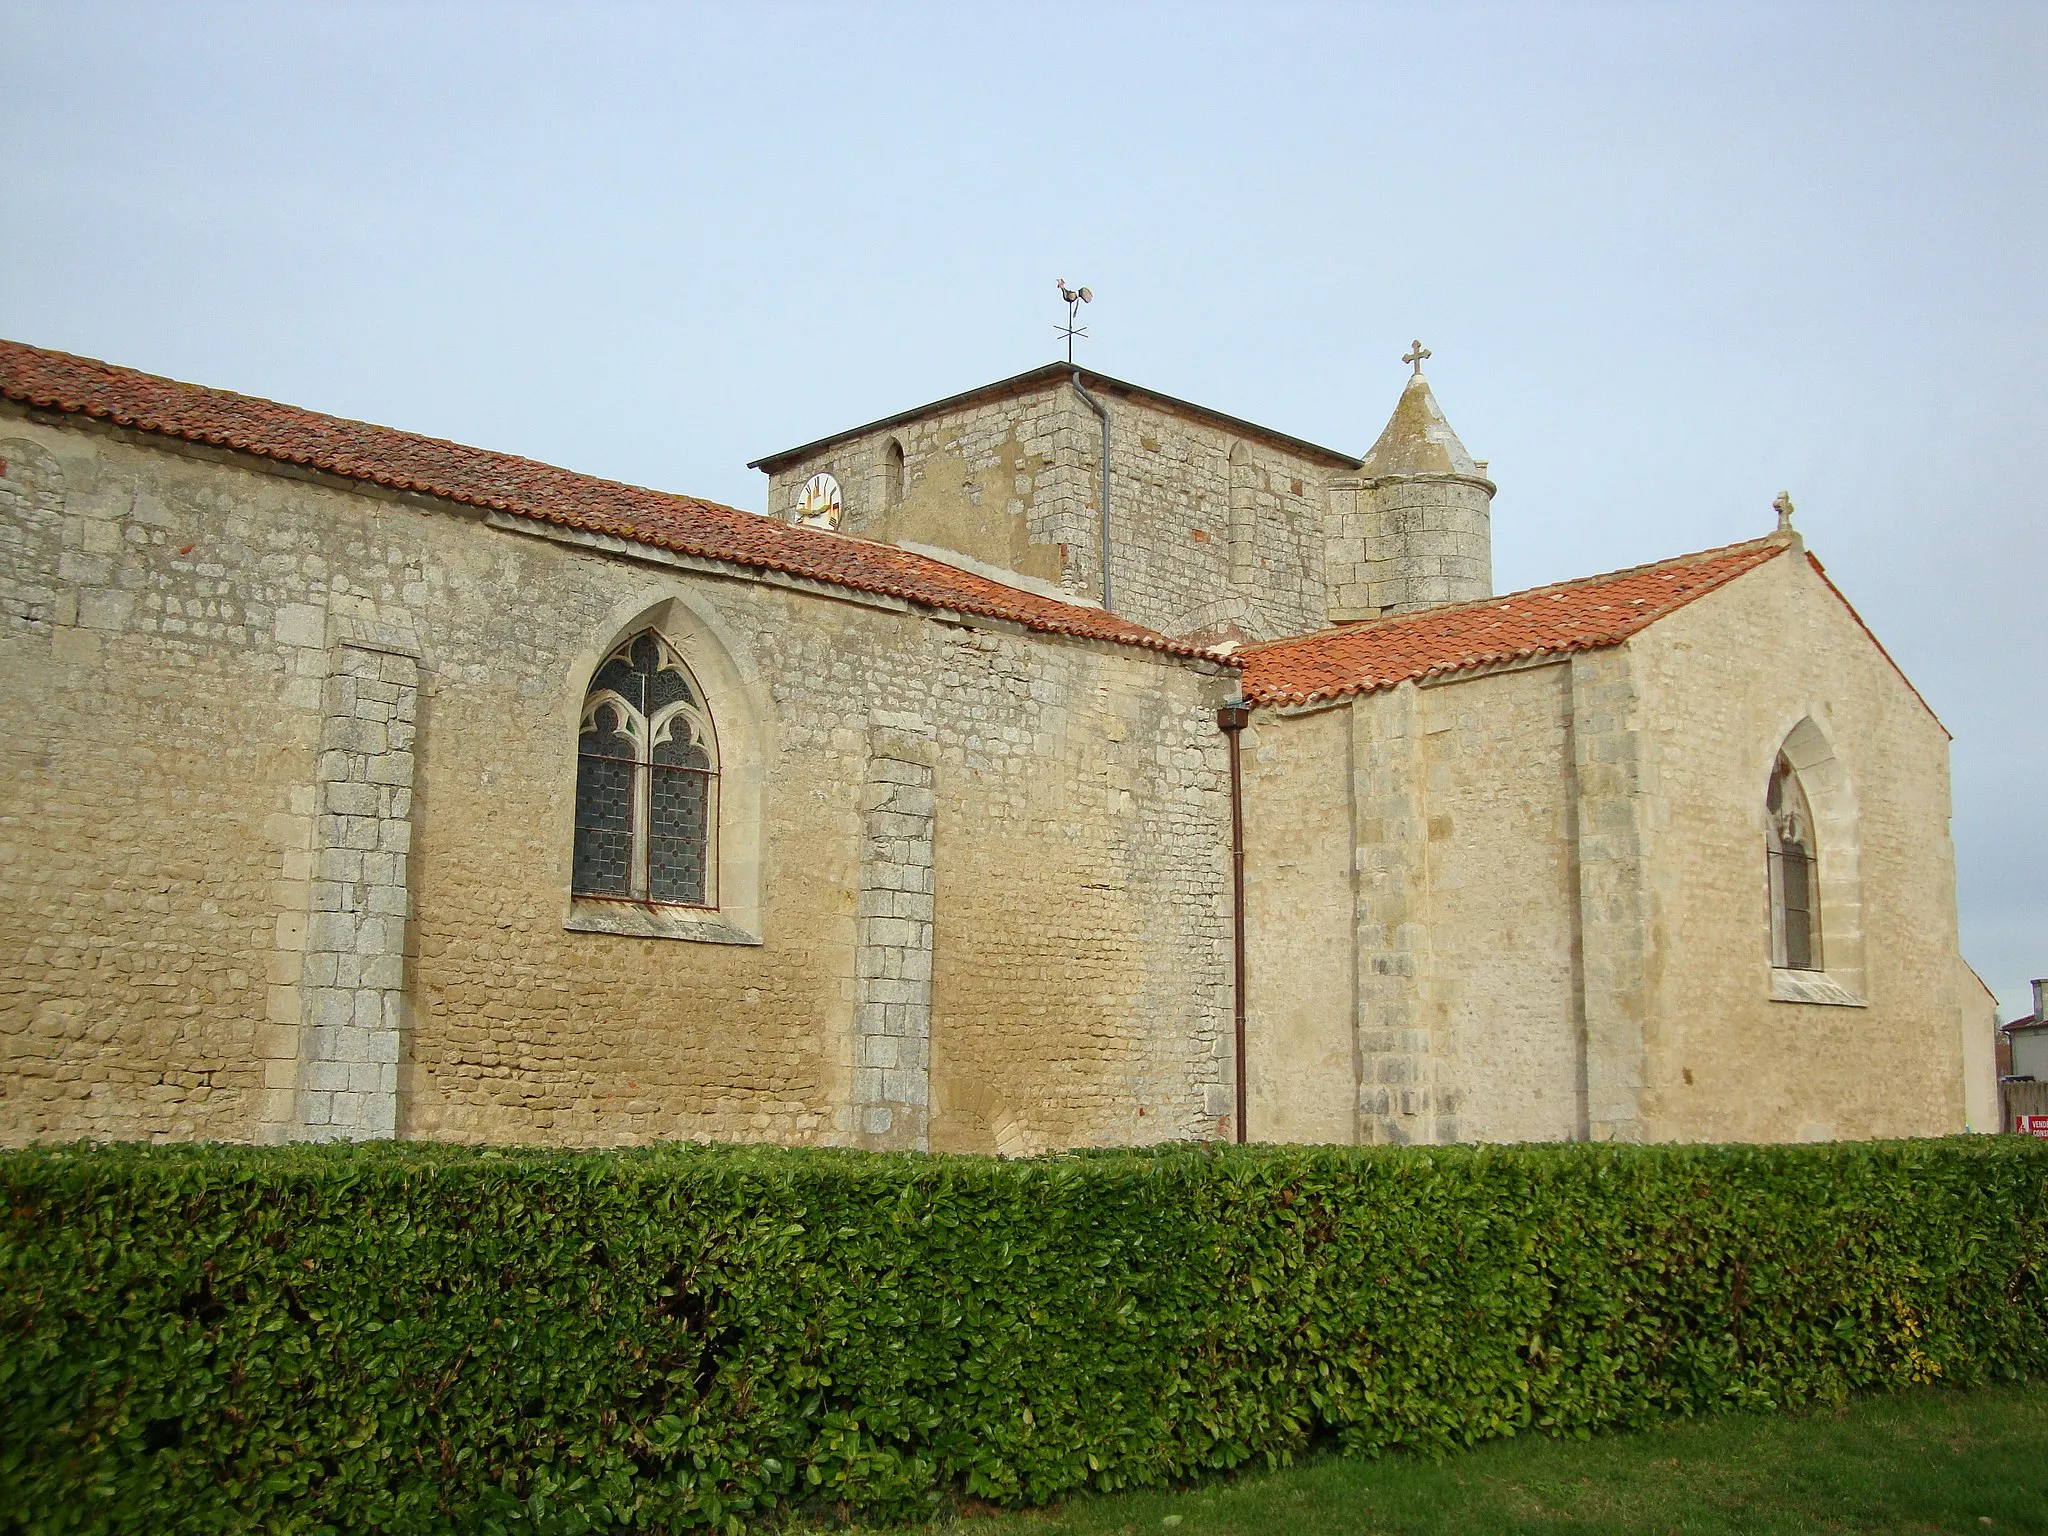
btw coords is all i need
(1212, 530)
(1301, 847)
(1404, 542)
(1412, 885)
(1406, 1088)
(1562, 917)
(1723, 682)
(993, 481)
(1027, 1051)
(1504, 946)
(180, 624)
(1615, 779)
(1202, 546)
(893, 1008)
(156, 808)
(344, 1035)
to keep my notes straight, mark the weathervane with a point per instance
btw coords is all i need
(1075, 298)
(1417, 353)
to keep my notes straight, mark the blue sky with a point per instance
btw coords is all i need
(1670, 259)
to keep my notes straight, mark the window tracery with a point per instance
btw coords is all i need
(646, 781)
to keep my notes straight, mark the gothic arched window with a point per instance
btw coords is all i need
(1794, 873)
(646, 781)
(895, 478)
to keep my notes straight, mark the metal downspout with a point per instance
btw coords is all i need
(1231, 719)
(1099, 409)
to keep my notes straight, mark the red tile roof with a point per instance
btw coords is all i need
(404, 461)
(1572, 616)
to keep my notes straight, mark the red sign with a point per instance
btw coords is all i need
(2031, 1125)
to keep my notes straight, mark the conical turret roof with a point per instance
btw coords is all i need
(1417, 440)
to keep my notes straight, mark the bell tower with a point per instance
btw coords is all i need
(1413, 528)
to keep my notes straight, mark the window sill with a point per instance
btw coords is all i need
(639, 920)
(1812, 987)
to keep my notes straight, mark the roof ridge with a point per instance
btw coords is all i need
(1470, 604)
(464, 475)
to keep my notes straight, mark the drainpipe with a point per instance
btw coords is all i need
(1099, 409)
(1231, 719)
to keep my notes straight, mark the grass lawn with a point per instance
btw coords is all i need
(1917, 1462)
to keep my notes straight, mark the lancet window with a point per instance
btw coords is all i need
(895, 478)
(646, 781)
(1794, 873)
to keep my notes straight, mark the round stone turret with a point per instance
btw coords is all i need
(1420, 530)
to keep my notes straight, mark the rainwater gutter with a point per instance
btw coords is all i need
(1099, 409)
(1231, 719)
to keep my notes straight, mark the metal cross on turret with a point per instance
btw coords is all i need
(1416, 356)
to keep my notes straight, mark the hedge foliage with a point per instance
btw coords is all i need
(407, 1338)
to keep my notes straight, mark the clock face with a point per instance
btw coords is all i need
(817, 504)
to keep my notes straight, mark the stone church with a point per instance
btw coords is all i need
(1057, 764)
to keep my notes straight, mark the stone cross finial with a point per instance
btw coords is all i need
(1416, 355)
(1783, 507)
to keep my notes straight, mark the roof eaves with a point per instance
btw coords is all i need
(1142, 639)
(1040, 615)
(1576, 583)
(1486, 663)
(1767, 548)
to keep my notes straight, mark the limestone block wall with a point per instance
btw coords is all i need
(1620, 942)
(163, 704)
(180, 627)
(34, 538)
(334, 1071)
(1537, 896)
(1402, 542)
(1406, 1091)
(893, 969)
(1212, 530)
(1469, 1021)
(994, 481)
(1301, 1030)
(1083, 875)
(1724, 682)
(1560, 912)
(1498, 829)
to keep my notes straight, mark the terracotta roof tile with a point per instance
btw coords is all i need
(405, 461)
(1572, 616)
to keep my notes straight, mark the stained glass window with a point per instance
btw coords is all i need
(646, 781)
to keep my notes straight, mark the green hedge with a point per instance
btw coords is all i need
(404, 1338)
